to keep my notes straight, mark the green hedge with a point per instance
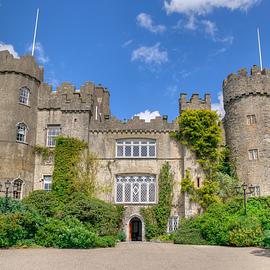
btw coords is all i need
(225, 224)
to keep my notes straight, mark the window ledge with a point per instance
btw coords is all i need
(26, 105)
(22, 142)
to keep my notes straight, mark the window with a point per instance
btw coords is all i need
(136, 189)
(172, 224)
(257, 191)
(52, 133)
(47, 182)
(21, 132)
(251, 119)
(253, 154)
(17, 188)
(136, 148)
(198, 182)
(24, 95)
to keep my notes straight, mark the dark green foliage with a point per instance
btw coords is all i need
(266, 239)
(156, 218)
(45, 203)
(67, 157)
(122, 236)
(189, 237)
(224, 223)
(44, 152)
(12, 205)
(67, 233)
(103, 217)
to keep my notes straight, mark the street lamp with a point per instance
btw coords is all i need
(247, 189)
(7, 191)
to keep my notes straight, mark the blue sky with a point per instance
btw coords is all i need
(145, 51)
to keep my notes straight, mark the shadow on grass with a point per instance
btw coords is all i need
(261, 252)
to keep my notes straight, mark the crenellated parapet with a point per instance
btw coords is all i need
(241, 85)
(135, 125)
(68, 98)
(26, 66)
(194, 103)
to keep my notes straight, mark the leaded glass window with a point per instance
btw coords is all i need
(17, 189)
(137, 189)
(24, 95)
(136, 148)
(172, 224)
(52, 133)
(21, 132)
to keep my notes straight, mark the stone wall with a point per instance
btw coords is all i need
(249, 95)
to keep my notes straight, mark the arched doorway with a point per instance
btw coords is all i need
(135, 229)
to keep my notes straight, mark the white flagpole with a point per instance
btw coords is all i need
(35, 33)
(260, 51)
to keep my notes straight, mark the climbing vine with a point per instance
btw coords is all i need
(156, 217)
(67, 157)
(44, 152)
(201, 131)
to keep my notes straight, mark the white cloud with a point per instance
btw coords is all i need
(144, 20)
(218, 107)
(10, 48)
(150, 55)
(210, 27)
(192, 23)
(147, 115)
(202, 7)
(127, 43)
(41, 57)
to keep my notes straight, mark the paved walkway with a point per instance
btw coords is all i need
(139, 256)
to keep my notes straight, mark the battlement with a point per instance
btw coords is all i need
(195, 102)
(135, 125)
(241, 84)
(68, 98)
(26, 65)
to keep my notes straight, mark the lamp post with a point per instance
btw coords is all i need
(247, 189)
(7, 191)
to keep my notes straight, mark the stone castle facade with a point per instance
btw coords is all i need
(130, 153)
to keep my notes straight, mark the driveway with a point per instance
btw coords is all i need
(139, 256)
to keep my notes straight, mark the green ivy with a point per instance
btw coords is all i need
(44, 152)
(67, 157)
(156, 217)
(201, 131)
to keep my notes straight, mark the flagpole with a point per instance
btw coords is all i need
(35, 33)
(260, 51)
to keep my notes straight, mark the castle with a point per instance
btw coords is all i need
(130, 153)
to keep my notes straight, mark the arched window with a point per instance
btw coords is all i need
(24, 95)
(17, 188)
(21, 132)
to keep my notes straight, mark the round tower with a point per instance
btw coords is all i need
(247, 125)
(19, 83)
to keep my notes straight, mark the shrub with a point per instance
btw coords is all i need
(67, 233)
(12, 205)
(245, 232)
(42, 201)
(121, 236)
(266, 239)
(103, 217)
(10, 230)
(189, 236)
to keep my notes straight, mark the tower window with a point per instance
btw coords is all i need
(24, 96)
(47, 182)
(21, 132)
(251, 119)
(253, 154)
(17, 188)
(52, 133)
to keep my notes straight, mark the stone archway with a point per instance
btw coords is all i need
(135, 229)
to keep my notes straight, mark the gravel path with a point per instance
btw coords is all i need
(139, 256)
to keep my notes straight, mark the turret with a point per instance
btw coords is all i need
(19, 83)
(247, 125)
